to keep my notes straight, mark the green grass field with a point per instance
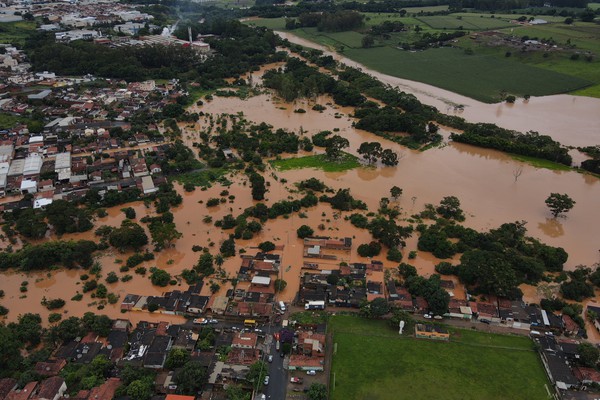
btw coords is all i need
(481, 77)
(320, 161)
(8, 121)
(485, 74)
(467, 22)
(373, 362)
(16, 32)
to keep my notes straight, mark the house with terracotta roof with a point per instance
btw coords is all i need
(239, 356)
(245, 340)
(571, 326)
(23, 394)
(6, 385)
(106, 391)
(51, 389)
(586, 375)
(299, 362)
(50, 368)
(178, 397)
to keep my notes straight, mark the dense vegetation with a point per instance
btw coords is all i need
(239, 49)
(70, 254)
(530, 144)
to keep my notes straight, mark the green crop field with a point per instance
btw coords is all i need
(373, 362)
(467, 22)
(481, 77)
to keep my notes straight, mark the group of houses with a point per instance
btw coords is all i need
(253, 296)
(24, 170)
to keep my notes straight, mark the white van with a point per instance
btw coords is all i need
(282, 306)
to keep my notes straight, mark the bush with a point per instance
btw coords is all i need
(369, 250)
(394, 255)
(111, 277)
(53, 304)
(160, 277)
(266, 246)
(54, 317)
(213, 202)
(305, 231)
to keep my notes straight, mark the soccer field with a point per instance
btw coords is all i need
(373, 362)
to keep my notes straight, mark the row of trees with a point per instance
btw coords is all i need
(530, 144)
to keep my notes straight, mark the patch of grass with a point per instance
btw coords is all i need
(373, 362)
(346, 162)
(16, 32)
(203, 178)
(539, 163)
(310, 317)
(8, 121)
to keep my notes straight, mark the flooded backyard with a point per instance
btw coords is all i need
(484, 181)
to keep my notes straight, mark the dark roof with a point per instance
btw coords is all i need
(160, 344)
(155, 359)
(6, 385)
(50, 387)
(117, 338)
(560, 369)
(85, 352)
(198, 301)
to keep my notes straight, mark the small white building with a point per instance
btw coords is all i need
(28, 186)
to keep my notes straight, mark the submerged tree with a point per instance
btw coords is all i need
(559, 203)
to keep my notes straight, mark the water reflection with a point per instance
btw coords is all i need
(552, 227)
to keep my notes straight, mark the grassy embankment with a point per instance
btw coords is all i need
(373, 362)
(453, 69)
(320, 161)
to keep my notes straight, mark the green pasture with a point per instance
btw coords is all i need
(485, 74)
(481, 77)
(372, 361)
(465, 22)
(346, 162)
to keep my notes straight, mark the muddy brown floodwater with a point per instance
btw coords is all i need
(571, 120)
(482, 179)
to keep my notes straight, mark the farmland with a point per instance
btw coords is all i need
(421, 369)
(485, 67)
(482, 77)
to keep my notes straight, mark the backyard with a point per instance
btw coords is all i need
(371, 361)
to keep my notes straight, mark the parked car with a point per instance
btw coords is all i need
(295, 379)
(266, 382)
(200, 321)
(438, 317)
(427, 316)
(311, 372)
(270, 358)
(213, 321)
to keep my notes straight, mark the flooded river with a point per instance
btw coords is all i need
(484, 180)
(571, 120)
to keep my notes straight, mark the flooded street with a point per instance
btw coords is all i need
(571, 120)
(484, 181)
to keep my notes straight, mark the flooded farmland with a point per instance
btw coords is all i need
(571, 120)
(484, 180)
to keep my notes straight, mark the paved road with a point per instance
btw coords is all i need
(278, 377)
